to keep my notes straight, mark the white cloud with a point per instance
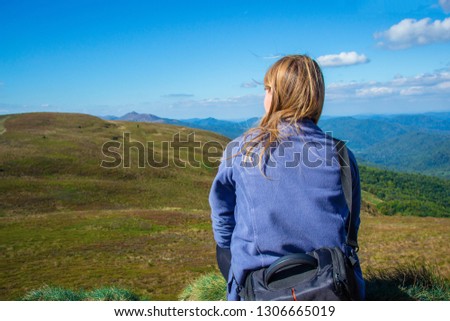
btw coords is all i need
(411, 91)
(444, 86)
(445, 5)
(342, 59)
(430, 84)
(428, 79)
(374, 92)
(178, 95)
(230, 101)
(411, 32)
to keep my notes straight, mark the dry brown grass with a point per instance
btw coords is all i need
(388, 242)
(156, 254)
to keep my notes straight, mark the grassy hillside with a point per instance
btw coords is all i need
(405, 194)
(51, 162)
(67, 222)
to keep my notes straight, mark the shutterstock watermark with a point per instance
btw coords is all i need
(179, 151)
(186, 151)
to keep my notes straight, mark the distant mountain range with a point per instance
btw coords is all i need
(230, 129)
(411, 143)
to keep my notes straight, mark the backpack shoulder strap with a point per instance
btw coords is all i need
(346, 180)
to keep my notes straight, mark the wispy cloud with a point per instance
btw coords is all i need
(342, 59)
(445, 5)
(224, 107)
(436, 83)
(412, 32)
(236, 101)
(252, 84)
(269, 56)
(25, 108)
(181, 95)
(374, 92)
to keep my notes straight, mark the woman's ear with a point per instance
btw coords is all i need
(267, 99)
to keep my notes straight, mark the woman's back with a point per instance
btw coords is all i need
(297, 205)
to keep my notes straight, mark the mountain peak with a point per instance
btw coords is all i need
(135, 116)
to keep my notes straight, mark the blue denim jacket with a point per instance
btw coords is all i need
(298, 205)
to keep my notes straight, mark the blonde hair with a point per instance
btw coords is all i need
(298, 92)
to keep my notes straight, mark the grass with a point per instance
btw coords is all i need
(208, 287)
(408, 282)
(47, 293)
(68, 223)
(370, 198)
(2, 121)
(51, 162)
(155, 253)
(390, 241)
(158, 253)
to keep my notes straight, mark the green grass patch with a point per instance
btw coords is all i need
(208, 287)
(47, 293)
(370, 198)
(410, 282)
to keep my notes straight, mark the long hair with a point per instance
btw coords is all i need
(298, 92)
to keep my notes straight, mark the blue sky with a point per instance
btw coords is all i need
(184, 59)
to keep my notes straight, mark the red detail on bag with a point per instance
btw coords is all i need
(293, 294)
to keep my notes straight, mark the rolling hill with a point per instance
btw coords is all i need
(51, 161)
(67, 221)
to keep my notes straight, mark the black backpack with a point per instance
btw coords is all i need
(323, 274)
